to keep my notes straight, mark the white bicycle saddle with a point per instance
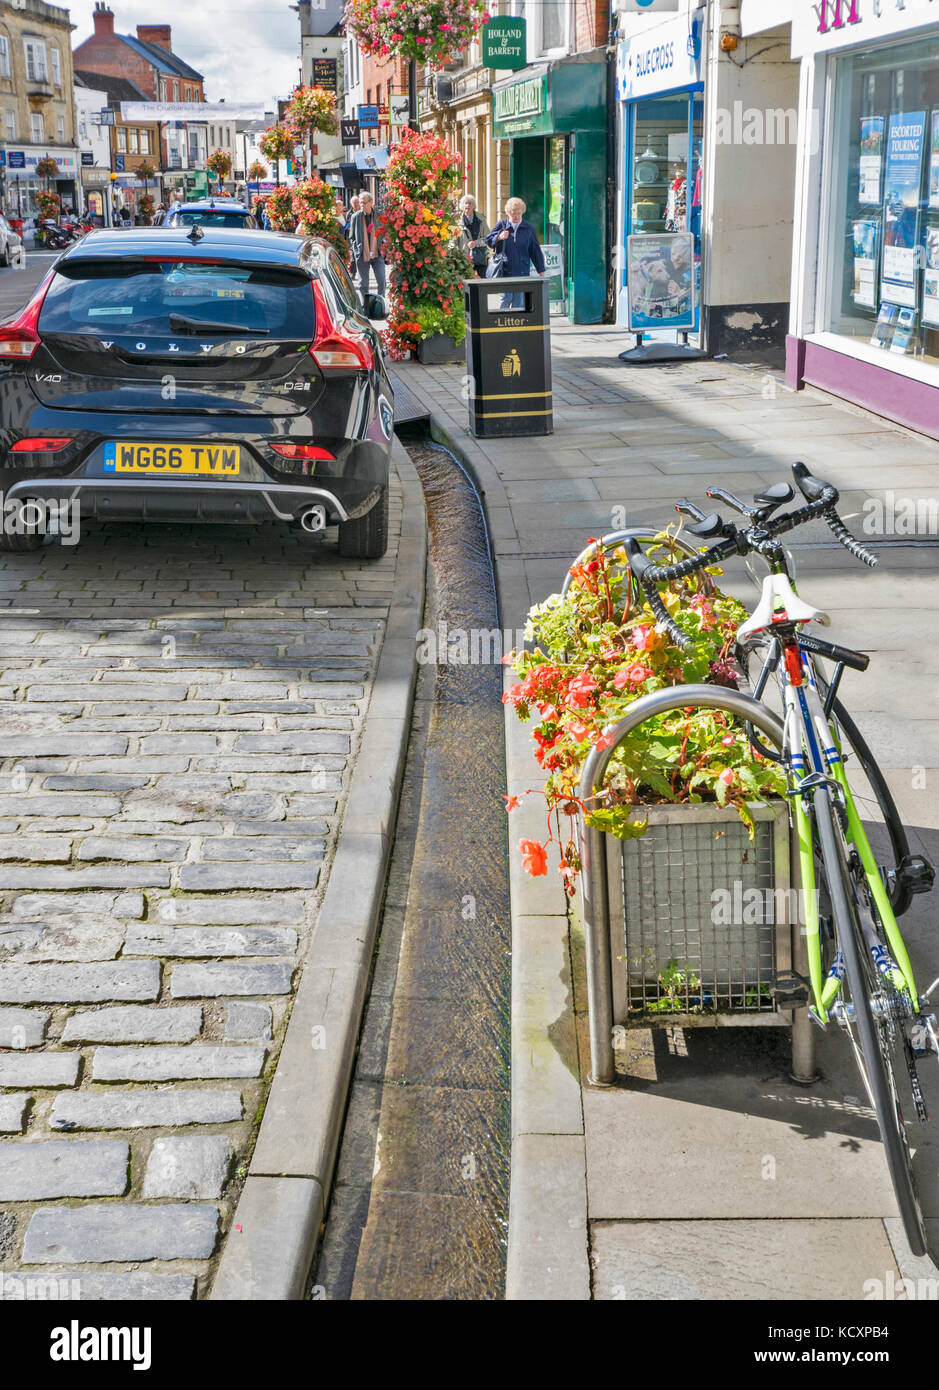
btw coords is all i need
(780, 603)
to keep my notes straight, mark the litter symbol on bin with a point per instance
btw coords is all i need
(512, 364)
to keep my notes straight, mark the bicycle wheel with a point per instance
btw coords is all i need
(750, 658)
(875, 1028)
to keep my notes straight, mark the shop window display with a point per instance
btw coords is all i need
(885, 183)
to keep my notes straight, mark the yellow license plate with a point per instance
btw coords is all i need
(172, 460)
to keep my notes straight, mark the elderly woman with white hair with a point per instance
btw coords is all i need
(473, 232)
(516, 240)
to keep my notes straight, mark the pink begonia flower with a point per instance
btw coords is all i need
(727, 777)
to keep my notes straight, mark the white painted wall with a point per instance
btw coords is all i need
(748, 182)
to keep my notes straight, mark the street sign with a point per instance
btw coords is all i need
(398, 109)
(383, 113)
(368, 117)
(108, 116)
(87, 158)
(503, 43)
(324, 73)
(350, 132)
(17, 159)
(119, 163)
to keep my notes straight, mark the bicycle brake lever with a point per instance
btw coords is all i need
(689, 509)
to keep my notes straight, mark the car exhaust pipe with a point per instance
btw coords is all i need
(313, 520)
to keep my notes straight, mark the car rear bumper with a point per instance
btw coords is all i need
(198, 500)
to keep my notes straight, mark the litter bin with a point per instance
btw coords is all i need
(508, 356)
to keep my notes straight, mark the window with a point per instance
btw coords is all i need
(133, 146)
(145, 142)
(60, 129)
(37, 128)
(122, 139)
(189, 94)
(35, 61)
(884, 290)
(176, 91)
(56, 67)
(10, 122)
(548, 24)
(90, 298)
(4, 57)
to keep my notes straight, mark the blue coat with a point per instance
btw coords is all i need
(519, 250)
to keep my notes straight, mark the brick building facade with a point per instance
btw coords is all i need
(146, 59)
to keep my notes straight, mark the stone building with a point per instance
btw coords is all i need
(37, 109)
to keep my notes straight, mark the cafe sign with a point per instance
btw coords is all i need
(521, 108)
(503, 42)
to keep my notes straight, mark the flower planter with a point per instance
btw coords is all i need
(702, 917)
(439, 349)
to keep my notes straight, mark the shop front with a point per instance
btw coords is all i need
(865, 323)
(22, 182)
(659, 91)
(555, 118)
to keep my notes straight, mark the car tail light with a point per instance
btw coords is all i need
(19, 336)
(337, 345)
(41, 444)
(302, 451)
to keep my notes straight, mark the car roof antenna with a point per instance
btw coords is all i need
(196, 234)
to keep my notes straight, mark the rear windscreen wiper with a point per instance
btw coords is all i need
(204, 326)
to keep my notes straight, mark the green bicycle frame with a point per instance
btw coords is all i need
(819, 752)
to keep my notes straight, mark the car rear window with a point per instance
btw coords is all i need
(173, 298)
(211, 219)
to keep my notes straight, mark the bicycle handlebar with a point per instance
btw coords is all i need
(821, 499)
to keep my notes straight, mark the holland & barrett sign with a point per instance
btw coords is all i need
(521, 108)
(503, 43)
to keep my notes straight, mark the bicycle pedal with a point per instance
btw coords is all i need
(916, 873)
(790, 991)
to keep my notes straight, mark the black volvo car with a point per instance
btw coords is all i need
(202, 375)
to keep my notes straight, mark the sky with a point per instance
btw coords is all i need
(248, 50)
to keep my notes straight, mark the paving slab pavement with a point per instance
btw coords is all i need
(659, 1188)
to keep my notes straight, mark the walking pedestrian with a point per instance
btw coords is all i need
(366, 247)
(517, 241)
(473, 232)
(353, 209)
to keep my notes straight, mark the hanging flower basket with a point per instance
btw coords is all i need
(219, 162)
(278, 141)
(429, 30)
(313, 109)
(257, 171)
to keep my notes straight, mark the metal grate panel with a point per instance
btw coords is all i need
(697, 940)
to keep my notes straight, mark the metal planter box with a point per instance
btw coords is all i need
(433, 352)
(702, 917)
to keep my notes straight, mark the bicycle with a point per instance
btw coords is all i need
(860, 975)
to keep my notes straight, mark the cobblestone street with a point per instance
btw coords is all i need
(181, 711)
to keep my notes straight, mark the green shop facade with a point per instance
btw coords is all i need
(555, 115)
